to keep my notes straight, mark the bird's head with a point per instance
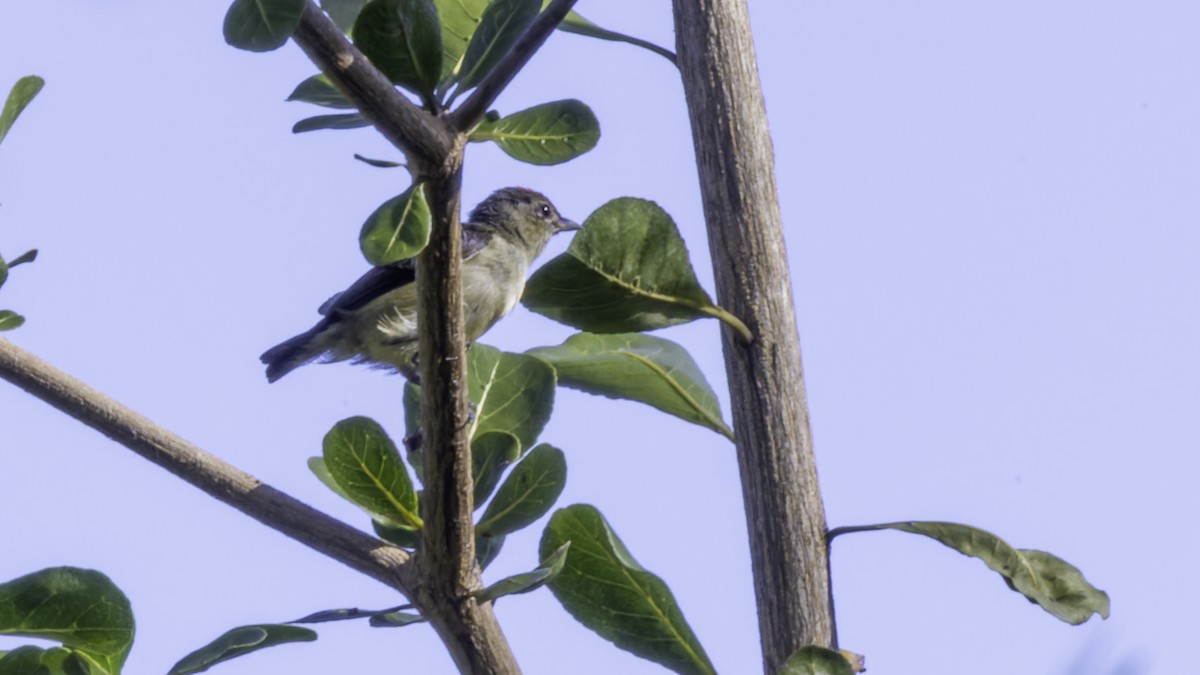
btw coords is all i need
(524, 217)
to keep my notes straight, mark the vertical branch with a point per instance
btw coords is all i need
(784, 513)
(446, 565)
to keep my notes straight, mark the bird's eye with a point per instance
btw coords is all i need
(546, 212)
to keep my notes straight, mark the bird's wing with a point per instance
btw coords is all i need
(387, 278)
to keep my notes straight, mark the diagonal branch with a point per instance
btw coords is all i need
(472, 110)
(277, 510)
(417, 133)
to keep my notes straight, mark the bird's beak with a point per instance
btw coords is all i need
(565, 225)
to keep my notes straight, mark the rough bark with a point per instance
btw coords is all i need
(784, 513)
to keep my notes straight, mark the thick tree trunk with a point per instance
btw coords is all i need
(785, 517)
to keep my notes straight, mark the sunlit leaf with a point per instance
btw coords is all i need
(546, 134)
(18, 97)
(528, 581)
(262, 25)
(342, 121)
(318, 90)
(527, 494)
(1043, 578)
(10, 320)
(502, 23)
(627, 271)
(637, 367)
(605, 589)
(239, 642)
(82, 609)
(403, 38)
(366, 465)
(459, 18)
(513, 393)
(398, 229)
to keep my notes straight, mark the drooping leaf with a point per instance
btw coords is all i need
(814, 660)
(343, 12)
(348, 614)
(528, 581)
(395, 620)
(637, 367)
(18, 97)
(605, 589)
(511, 392)
(342, 121)
(403, 38)
(82, 609)
(318, 90)
(10, 320)
(491, 453)
(545, 134)
(398, 229)
(26, 257)
(575, 23)
(502, 23)
(366, 465)
(262, 25)
(459, 18)
(627, 271)
(527, 494)
(1043, 578)
(378, 163)
(239, 642)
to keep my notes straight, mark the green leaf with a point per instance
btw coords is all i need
(403, 38)
(814, 660)
(10, 320)
(511, 392)
(605, 589)
(1041, 577)
(395, 620)
(239, 642)
(524, 583)
(487, 549)
(502, 23)
(491, 453)
(343, 12)
(82, 609)
(262, 25)
(365, 464)
(459, 18)
(30, 660)
(18, 97)
(528, 492)
(403, 536)
(581, 26)
(26, 257)
(627, 271)
(318, 90)
(546, 134)
(3, 271)
(412, 425)
(346, 121)
(398, 229)
(379, 163)
(637, 367)
(348, 614)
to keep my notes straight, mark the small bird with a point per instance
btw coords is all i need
(375, 320)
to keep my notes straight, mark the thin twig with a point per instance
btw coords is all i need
(277, 510)
(473, 109)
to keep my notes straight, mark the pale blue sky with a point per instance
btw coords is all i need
(991, 212)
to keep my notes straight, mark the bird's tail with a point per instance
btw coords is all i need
(290, 354)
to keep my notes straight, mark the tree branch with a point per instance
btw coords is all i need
(362, 552)
(784, 513)
(418, 134)
(475, 106)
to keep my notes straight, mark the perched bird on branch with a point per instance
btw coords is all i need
(375, 320)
